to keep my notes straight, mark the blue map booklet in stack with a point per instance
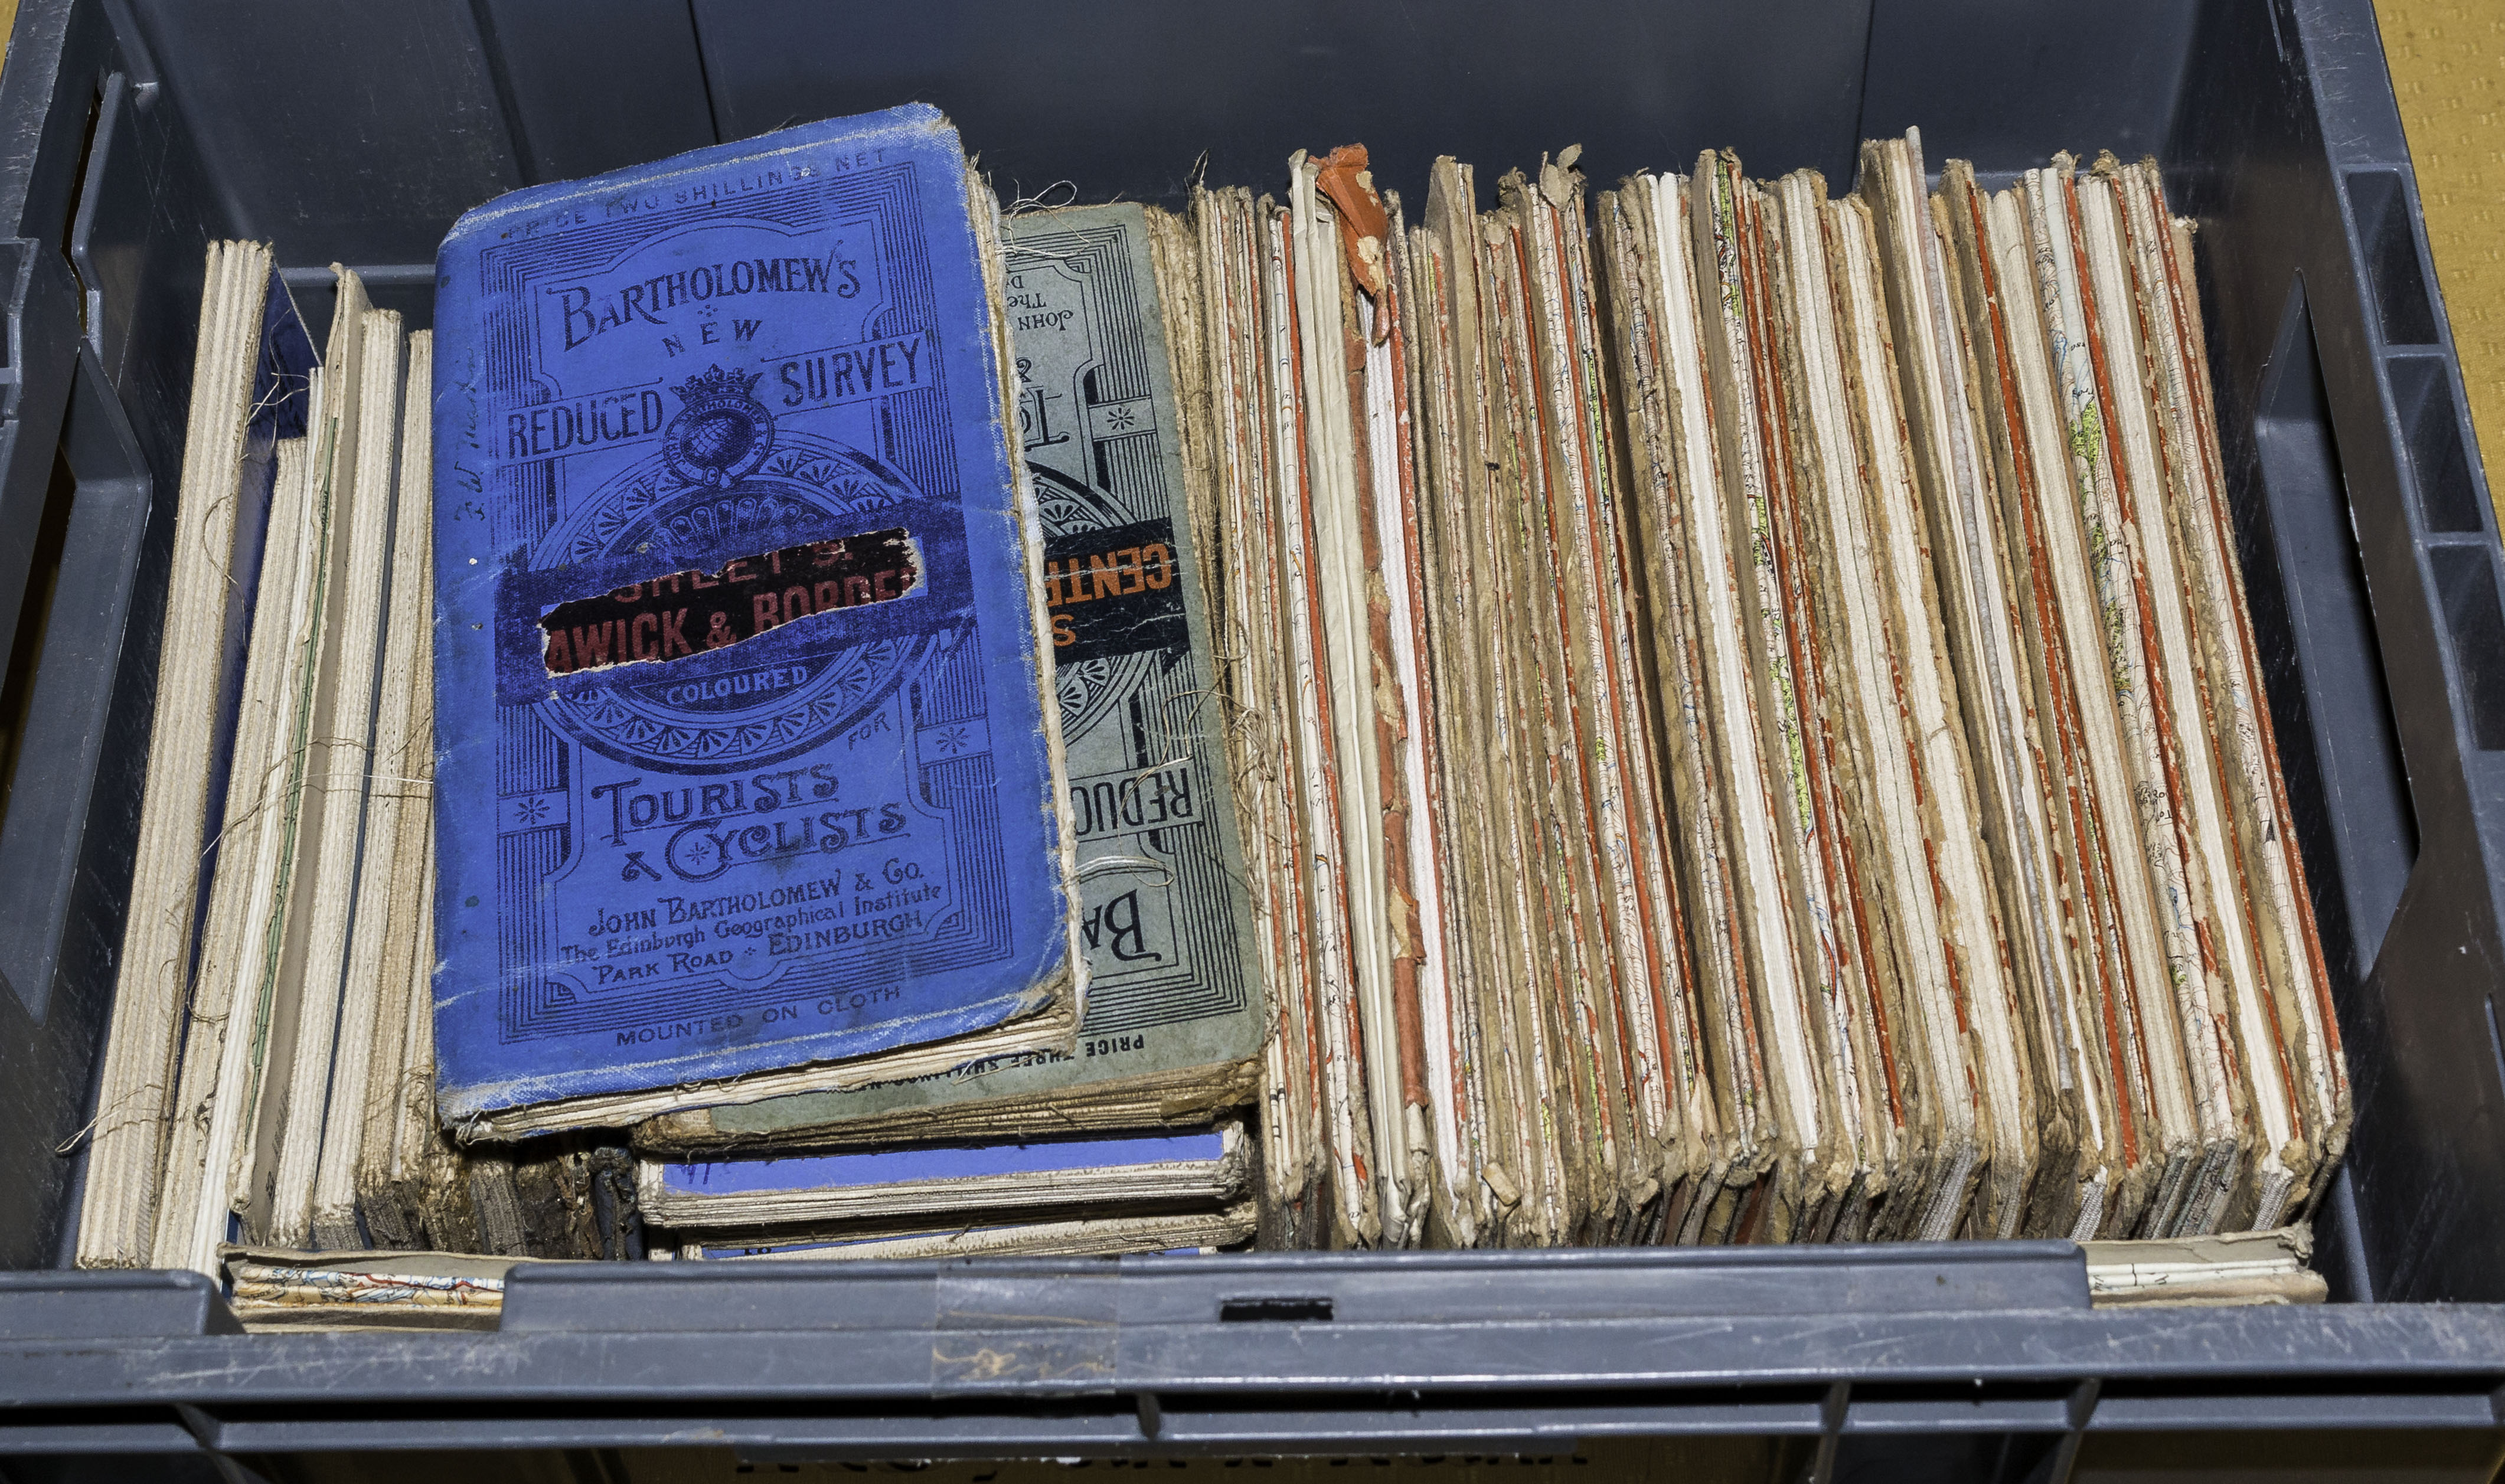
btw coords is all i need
(1103, 303)
(830, 1192)
(1048, 1235)
(749, 779)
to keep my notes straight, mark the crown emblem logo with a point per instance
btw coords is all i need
(722, 433)
(714, 384)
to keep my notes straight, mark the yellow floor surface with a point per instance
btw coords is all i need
(2448, 60)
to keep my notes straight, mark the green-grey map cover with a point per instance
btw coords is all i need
(1173, 1018)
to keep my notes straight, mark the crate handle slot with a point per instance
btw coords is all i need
(1273, 1310)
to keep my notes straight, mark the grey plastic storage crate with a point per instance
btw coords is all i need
(132, 131)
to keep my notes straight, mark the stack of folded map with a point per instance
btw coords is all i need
(810, 719)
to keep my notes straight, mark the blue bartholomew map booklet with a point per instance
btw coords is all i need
(1174, 1019)
(744, 767)
(1098, 1176)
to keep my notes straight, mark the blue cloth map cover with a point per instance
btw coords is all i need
(743, 766)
